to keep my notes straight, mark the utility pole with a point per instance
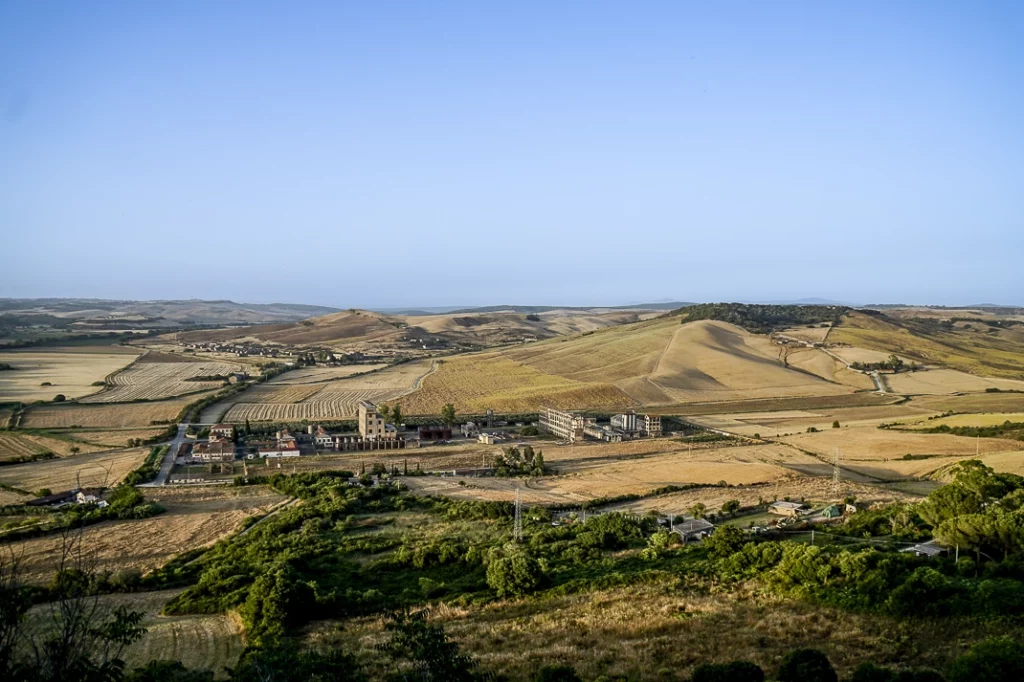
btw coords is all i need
(517, 528)
(835, 473)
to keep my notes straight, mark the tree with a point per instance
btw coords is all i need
(74, 449)
(384, 411)
(736, 671)
(448, 414)
(425, 649)
(396, 416)
(515, 574)
(730, 507)
(806, 665)
(724, 542)
(835, 424)
(698, 511)
(895, 363)
(83, 638)
(991, 660)
(59, 398)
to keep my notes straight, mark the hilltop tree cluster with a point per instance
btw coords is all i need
(763, 319)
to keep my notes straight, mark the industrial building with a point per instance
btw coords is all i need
(565, 425)
(637, 425)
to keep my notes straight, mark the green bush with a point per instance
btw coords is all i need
(515, 575)
(997, 659)
(806, 665)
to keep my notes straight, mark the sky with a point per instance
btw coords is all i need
(390, 154)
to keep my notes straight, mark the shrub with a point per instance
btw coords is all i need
(992, 660)
(806, 665)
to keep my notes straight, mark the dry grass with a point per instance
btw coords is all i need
(12, 446)
(204, 641)
(61, 446)
(71, 370)
(773, 424)
(85, 470)
(98, 416)
(195, 517)
(158, 380)
(945, 382)
(979, 402)
(659, 631)
(976, 351)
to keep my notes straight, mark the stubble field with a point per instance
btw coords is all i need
(98, 416)
(93, 470)
(70, 371)
(158, 380)
(195, 517)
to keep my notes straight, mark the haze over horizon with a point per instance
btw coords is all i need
(396, 155)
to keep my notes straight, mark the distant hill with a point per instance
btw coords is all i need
(88, 313)
(547, 308)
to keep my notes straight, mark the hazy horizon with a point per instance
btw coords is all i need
(583, 154)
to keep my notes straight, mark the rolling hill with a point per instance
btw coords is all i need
(648, 363)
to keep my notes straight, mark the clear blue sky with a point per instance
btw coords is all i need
(429, 153)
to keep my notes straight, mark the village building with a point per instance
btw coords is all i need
(372, 425)
(222, 431)
(693, 530)
(783, 508)
(216, 450)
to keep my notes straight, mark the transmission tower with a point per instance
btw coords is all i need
(517, 529)
(835, 473)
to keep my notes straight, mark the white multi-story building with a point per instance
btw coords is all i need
(565, 425)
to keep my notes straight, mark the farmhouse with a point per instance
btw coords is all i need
(928, 549)
(216, 450)
(783, 508)
(222, 431)
(565, 425)
(693, 530)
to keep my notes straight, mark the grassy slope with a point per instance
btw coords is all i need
(974, 350)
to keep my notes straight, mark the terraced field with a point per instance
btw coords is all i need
(158, 380)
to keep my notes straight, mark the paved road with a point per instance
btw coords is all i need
(168, 463)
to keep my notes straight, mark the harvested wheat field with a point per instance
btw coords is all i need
(93, 470)
(158, 380)
(335, 399)
(70, 371)
(319, 374)
(946, 381)
(26, 444)
(878, 453)
(195, 517)
(112, 416)
(978, 420)
(976, 402)
(783, 422)
(113, 438)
